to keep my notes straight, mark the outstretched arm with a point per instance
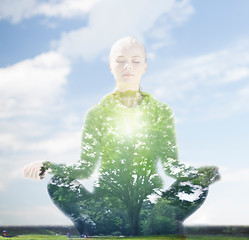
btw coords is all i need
(90, 153)
(90, 149)
(168, 154)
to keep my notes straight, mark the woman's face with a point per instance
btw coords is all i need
(128, 64)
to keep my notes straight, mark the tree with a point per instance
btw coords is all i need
(130, 178)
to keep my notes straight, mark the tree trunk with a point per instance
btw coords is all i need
(133, 213)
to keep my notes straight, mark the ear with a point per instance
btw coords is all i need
(110, 68)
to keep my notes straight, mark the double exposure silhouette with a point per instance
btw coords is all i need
(130, 131)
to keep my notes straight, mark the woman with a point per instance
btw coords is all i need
(130, 131)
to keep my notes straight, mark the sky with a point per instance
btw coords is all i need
(54, 67)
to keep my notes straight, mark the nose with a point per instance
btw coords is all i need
(127, 66)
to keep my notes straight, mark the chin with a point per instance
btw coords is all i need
(128, 79)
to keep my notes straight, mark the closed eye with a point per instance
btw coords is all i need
(120, 59)
(136, 59)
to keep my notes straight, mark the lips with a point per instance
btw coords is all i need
(128, 74)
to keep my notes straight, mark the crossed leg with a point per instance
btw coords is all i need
(76, 202)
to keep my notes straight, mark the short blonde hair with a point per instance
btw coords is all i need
(127, 41)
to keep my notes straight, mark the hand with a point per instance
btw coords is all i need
(208, 175)
(33, 170)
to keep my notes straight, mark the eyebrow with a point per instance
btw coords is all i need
(131, 56)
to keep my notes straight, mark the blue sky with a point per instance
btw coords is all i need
(54, 66)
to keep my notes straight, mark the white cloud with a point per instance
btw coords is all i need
(216, 79)
(60, 144)
(9, 141)
(30, 85)
(66, 8)
(1, 187)
(17, 10)
(141, 18)
(213, 69)
(176, 15)
(28, 90)
(18, 151)
(110, 20)
(24, 9)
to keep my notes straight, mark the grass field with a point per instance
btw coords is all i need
(63, 237)
(192, 232)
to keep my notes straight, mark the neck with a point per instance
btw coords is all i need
(129, 98)
(127, 87)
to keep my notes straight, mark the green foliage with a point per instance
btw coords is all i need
(130, 142)
(206, 176)
(160, 219)
(108, 213)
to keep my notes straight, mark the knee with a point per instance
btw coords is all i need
(52, 186)
(57, 183)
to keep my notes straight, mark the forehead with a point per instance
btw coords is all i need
(127, 50)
